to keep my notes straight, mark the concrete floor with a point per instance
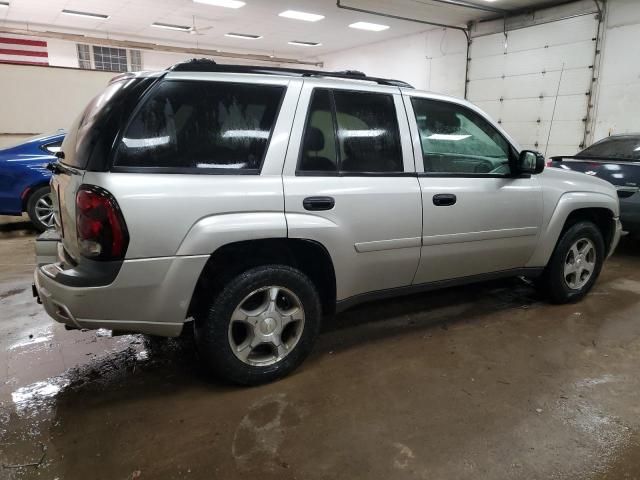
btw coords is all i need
(476, 382)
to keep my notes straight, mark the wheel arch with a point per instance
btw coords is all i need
(29, 191)
(573, 207)
(309, 256)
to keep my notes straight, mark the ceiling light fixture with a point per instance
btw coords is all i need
(76, 13)
(222, 3)
(304, 44)
(372, 27)
(168, 26)
(296, 15)
(245, 36)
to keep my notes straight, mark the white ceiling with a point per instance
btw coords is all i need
(131, 20)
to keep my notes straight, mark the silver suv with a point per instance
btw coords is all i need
(254, 201)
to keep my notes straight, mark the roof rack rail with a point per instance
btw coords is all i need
(207, 65)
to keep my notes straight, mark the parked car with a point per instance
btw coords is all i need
(615, 159)
(24, 179)
(256, 201)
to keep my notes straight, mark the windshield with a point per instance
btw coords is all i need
(618, 148)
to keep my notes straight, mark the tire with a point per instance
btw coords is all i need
(36, 208)
(560, 288)
(245, 351)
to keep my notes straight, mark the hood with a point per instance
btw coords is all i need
(570, 181)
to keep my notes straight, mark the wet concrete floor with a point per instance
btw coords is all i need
(487, 381)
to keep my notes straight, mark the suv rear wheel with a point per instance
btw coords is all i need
(261, 326)
(40, 208)
(575, 263)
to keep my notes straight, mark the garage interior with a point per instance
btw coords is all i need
(479, 381)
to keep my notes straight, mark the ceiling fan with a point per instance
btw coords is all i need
(195, 30)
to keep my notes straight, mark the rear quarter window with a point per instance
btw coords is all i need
(209, 127)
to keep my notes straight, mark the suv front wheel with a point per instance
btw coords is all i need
(261, 326)
(575, 264)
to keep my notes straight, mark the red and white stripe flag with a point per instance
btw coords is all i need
(23, 50)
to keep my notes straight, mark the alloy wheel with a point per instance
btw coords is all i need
(266, 326)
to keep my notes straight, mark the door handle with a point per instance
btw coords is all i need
(444, 199)
(318, 203)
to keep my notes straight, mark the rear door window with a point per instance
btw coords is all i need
(368, 133)
(204, 126)
(352, 133)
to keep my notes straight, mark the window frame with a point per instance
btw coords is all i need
(115, 168)
(334, 116)
(417, 143)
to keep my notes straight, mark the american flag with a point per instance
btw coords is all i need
(23, 50)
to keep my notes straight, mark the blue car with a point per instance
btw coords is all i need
(24, 179)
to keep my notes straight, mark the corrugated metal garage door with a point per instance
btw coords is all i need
(518, 85)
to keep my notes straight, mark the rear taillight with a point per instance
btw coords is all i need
(102, 233)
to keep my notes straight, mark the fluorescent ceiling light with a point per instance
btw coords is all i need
(85, 14)
(304, 44)
(372, 27)
(222, 3)
(442, 136)
(4, 4)
(296, 15)
(246, 36)
(168, 26)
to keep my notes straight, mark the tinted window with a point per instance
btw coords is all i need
(455, 139)
(89, 127)
(619, 148)
(319, 143)
(202, 125)
(368, 135)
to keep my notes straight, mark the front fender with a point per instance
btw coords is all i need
(568, 202)
(212, 232)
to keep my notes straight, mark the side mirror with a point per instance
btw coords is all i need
(530, 161)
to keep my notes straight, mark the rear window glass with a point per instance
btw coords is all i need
(202, 125)
(619, 148)
(83, 135)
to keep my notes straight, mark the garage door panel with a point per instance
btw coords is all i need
(566, 132)
(489, 45)
(519, 89)
(561, 150)
(553, 58)
(570, 107)
(530, 86)
(573, 30)
(487, 67)
(527, 132)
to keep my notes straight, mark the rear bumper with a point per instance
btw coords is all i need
(147, 296)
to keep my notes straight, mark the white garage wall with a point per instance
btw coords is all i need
(35, 100)
(618, 94)
(433, 60)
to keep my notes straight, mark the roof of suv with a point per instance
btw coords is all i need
(206, 65)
